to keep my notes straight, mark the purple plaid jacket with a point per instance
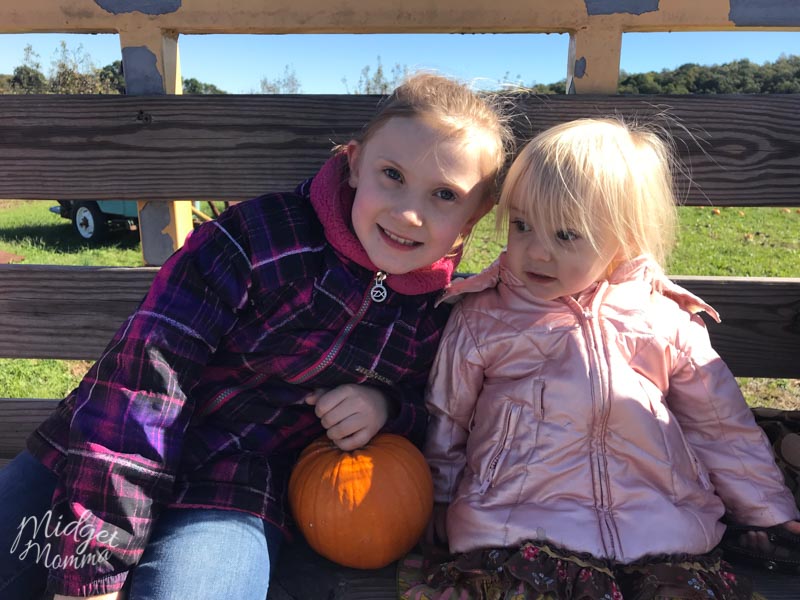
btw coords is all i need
(198, 399)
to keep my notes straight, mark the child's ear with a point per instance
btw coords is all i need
(353, 154)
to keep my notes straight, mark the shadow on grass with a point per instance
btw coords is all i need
(62, 238)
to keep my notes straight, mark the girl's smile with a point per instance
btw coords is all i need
(400, 242)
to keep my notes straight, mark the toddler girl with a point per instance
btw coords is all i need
(585, 439)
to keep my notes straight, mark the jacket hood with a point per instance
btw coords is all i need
(642, 268)
(332, 199)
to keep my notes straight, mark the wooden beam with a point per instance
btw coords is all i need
(593, 60)
(385, 16)
(72, 312)
(152, 65)
(739, 150)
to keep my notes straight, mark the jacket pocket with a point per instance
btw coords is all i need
(508, 422)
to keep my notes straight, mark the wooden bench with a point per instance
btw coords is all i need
(742, 151)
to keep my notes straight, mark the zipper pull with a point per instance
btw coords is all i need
(378, 292)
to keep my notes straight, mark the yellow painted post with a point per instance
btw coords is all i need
(593, 61)
(151, 63)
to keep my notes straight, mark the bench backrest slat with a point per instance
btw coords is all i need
(741, 150)
(72, 312)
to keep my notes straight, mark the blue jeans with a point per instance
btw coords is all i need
(192, 553)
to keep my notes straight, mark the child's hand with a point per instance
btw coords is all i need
(437, 528)
(793, 527)
(760, 542)
(352, 414)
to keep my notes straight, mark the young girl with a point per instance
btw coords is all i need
(585, 439)
(290, 315)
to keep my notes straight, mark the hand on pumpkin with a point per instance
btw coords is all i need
(352, 414)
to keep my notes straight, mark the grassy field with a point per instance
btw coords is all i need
(763, 242)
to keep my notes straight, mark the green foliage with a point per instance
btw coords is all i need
(377, 81)
(72, 72)
(193, 86)
(737, 77)
(112, 75)
(288, 83)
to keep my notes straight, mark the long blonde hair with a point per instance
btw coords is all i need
(597, 177)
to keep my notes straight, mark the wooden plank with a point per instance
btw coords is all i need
(18, 418)
(65, 312)
(741, 150)
(169, 147)
(72, 312)
(759, 335)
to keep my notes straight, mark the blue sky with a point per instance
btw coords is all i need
(236, 63)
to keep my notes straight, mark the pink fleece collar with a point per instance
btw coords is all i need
(332, 199)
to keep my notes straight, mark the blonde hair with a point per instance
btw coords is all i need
(457, 111)
(597, 177)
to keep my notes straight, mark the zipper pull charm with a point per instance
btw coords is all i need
(378, 292)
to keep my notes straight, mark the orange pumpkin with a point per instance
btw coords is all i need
(364, 508)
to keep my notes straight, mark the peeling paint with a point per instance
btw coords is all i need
(154, 222)
(765, 13)
(141, 71)
(580, 67)
(148, 7)
(611, 7)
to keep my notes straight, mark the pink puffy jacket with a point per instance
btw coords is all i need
(604, 424)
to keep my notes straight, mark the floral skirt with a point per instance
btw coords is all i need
(537, 571)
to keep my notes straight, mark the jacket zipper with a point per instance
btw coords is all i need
(376, 293)
(222, 398)
(608, 527)
(508, 426)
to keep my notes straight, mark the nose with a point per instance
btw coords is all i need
(536, 250)
(408, 210)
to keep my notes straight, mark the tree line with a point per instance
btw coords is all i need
(72, 72)
(736, 77)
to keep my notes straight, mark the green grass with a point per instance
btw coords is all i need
(30, 230)
(747, 242)
(753, 242)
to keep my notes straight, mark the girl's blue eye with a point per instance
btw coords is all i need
(520, 225)
(567, 235)
(447, 195)
(393, 174)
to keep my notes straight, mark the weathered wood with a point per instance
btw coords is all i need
(65, 312)
(18, 418)
(759, 335)
(72, 312)
(740, 150)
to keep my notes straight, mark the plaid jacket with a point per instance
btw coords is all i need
(198, 399)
